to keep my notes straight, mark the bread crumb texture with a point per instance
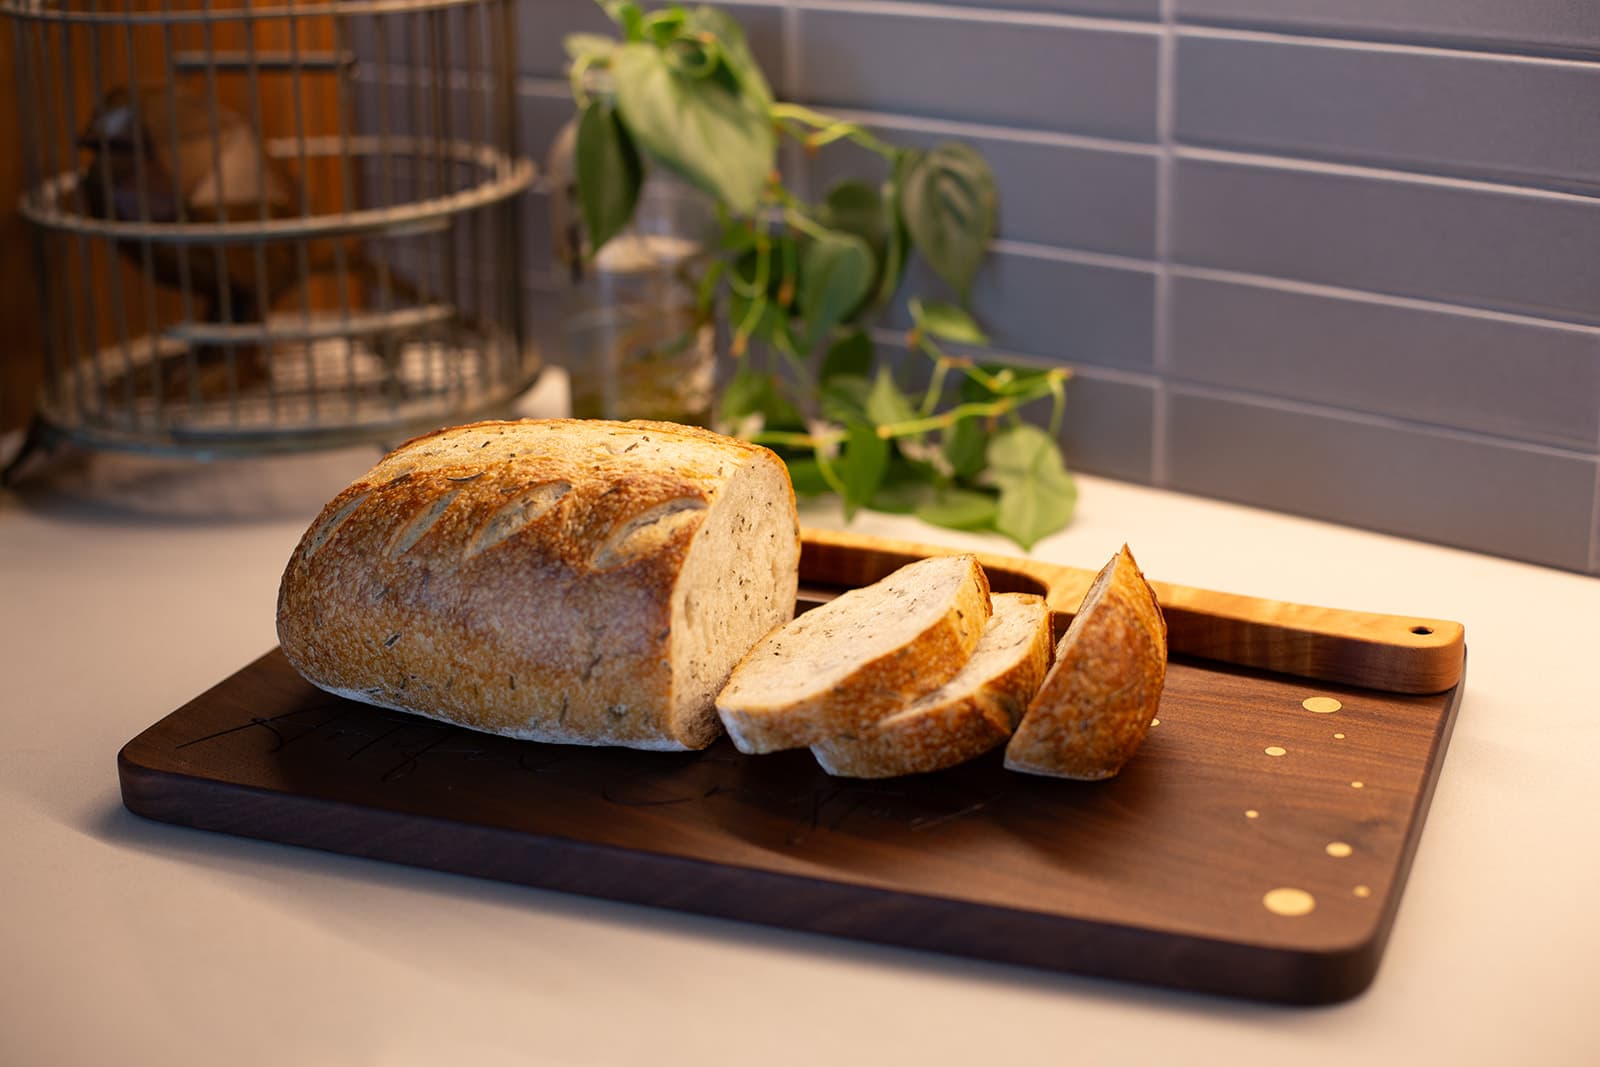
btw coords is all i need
(547, 579)
(858, 658)
(967, 716)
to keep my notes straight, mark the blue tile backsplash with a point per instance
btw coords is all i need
(1426, 109)
(1334, 257)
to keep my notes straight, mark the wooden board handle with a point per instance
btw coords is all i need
(1392, 653)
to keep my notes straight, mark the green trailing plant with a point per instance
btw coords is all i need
(798, 281)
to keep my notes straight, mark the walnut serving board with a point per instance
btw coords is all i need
(1256, 845)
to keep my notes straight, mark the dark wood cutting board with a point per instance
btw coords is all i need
(1255, 846)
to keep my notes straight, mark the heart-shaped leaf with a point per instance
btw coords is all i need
(1037, 495)
(897, 241)
(966, 445)
(862, 465)
(721, 141)
(740, 62)
(844, 398)
(850, 354)
(947, 322)
(886, 404)
(950, 205)
(835, 274)
(609, 173)
(751, 392)
(805, 474)
(855, 207)
(960, 509)
(903, 491)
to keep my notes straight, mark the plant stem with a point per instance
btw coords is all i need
(831, 129)
(747, 325)
(807, 226)
(944, 419)
(756, 294)
(791, 271)
(795, 439)
(1058, 403)
(758, 287)
(580, 67)
(829, 475)
(930, 399)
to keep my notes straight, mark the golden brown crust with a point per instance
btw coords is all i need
(1095, 705)
(876, 687)
(931, 738)
(514, 577)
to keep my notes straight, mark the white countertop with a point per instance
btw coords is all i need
(127, 586)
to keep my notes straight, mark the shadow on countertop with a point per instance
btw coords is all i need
(72, 484)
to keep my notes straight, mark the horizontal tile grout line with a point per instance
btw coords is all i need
(1207, 391)
(1337, 42)
(1366, 296)
(541, 85)
(988, 15)
(1147, 380)
(1502, 178)
(1289, 285)
(1268, 161)
(1021, 135)
(529, 85)
(895, 338)
(888, 335)
(1420, 39)
(1061, 254)
(554, 88)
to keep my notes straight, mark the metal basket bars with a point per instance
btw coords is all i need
(272, 227)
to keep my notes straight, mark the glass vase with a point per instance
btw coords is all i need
(635, 343)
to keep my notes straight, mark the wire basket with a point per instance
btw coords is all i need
(272, 227)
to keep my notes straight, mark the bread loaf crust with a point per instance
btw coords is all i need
(519, 577)
(922, 738)
(1095, 706)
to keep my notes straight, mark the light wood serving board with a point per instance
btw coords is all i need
(1255, 846)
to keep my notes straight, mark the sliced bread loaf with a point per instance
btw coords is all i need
(583, 582)
(841, 667)
(1095, 705)
(968, 715)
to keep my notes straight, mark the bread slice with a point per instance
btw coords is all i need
(583, 582)
(841, 667)
(1095, 705)
(968, 715)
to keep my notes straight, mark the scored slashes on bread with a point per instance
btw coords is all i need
(584, 582)
(968, 715)
(864, 655)
(1095, 705)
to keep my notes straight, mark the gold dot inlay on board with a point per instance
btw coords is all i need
(1276, 750)
(1289, 901)
(1338, 737)
(1358, 785)
(1338, 849)
(1252, 814)
(1321, 705)
(1362, 891)
(1155, 722)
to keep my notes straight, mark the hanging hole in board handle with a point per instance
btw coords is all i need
(1422, 631)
